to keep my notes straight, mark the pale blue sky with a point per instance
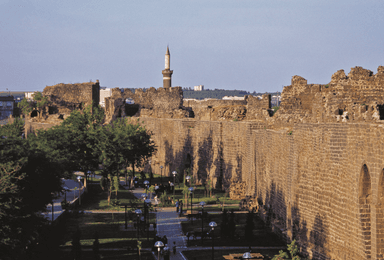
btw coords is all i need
(253, 45)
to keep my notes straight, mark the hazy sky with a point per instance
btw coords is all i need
(253, 45)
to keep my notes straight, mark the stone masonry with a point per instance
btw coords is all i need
(314, 170)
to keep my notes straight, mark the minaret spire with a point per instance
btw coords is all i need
(167, 73)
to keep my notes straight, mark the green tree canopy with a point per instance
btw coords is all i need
(74, 144)
(27, 184)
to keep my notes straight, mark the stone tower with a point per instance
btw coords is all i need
(167, 73)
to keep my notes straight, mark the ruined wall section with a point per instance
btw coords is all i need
(258, 108)
(114, 106)
(215, 109)
(64, 98)
(251, 108)
(315, 198)
(159, 103)
(357, 97)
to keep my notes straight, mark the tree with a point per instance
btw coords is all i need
(39, 102)
(12, 129)
(232, 225)
(123, 143)
(293, 251)
(224, 224)
(249, 226)
(74, 144)
(25, 106)
(27, 184)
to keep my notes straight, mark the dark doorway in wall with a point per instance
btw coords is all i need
(381, 111)
(34, 113)
(52, 110)
(131, 109)
(365, 201)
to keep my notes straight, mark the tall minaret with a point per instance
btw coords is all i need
(167, 73)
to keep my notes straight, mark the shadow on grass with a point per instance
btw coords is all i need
(97, 199)
(115, 255)
(218, 254)
(262, 236)
(110, 228)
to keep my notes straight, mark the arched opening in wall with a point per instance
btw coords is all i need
(365, 200)
(52, 110)
(34, 113)
(380, 218)
(381, 111)
(131, 109)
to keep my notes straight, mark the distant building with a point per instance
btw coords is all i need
(232, 98)
(7, 105)
(104, 93)
(198, 88)
(29, 95)
(275, 100)
(129, 101)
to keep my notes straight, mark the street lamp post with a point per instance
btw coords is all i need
(150, 172)
(159, 244)
(146, 183)
(161, 174)
(172, 187)
(79, 180)
(188, 178)
(174, 180)
(66, 189)
(147, 202)
(190, 192)
(138, 213)
(202, 203)
(213, 225)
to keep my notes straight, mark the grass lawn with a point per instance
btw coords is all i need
(110, 228)
(97, 199)
(109, 225)
(218, 254)
(262, 235)
(106, 255)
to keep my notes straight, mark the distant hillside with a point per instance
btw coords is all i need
(218, 93)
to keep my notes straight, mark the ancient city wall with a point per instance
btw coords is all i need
(314, 169)
(64, 98)
(321, 184)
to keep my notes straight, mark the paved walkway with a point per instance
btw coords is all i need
(168, 223)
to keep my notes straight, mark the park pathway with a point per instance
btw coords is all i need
(168, 223)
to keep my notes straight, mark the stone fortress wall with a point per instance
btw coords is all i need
(314, 170)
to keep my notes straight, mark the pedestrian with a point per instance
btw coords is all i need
(181, 208)
(174, 247)
(165, 239)
(166, 252)
(177, 206)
